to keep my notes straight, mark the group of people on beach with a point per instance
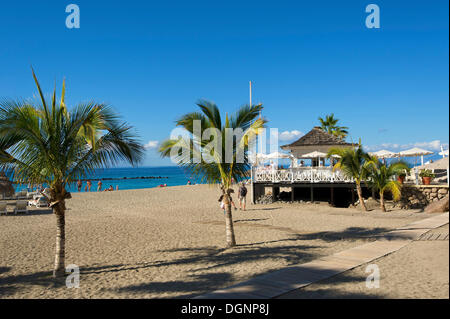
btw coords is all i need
(88, 186)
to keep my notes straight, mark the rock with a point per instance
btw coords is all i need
(265, 199)
(439, 206)
(443, 191)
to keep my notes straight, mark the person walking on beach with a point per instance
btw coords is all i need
(88, 186)
(99, 186)
(79, 185)
(242, 196)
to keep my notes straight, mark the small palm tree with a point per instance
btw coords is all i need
(205, 152)
(329, 124)
(48, 144)
(351, 162)
(381, 178)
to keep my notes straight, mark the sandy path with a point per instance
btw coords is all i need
(419, 270)
(169, 243)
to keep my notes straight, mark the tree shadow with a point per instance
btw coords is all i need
(9, 284)
(199, 284)
(350, 233)
(318, 291)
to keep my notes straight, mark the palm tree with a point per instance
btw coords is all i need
(48, 144)
(329, 124)
(351, 161)
(209, 155)
(381, 178)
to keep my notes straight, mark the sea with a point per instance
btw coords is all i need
(149, 177)
(134, 178)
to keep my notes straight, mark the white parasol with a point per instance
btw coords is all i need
(414, 152)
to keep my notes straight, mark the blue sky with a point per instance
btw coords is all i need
(152, 61)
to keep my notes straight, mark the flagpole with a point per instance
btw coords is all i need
(250, 88)
(256, 150)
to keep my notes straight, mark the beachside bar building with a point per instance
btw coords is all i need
(314, 182)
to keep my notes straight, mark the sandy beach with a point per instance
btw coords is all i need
(169, 243)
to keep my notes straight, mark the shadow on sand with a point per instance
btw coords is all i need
(207, 260)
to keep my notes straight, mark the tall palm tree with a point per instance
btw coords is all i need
(209, 156)
(381, 178)
(329, 124)
(49, 144)
(351, 162)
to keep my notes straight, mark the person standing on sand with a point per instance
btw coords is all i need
(88, 185)
(242, 196)
(99, 186)
(79, 185)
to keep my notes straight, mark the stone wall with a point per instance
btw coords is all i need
(420, 196)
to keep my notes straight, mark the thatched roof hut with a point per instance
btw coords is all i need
(315, 140)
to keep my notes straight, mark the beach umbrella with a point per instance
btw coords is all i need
(277, 155)
(314, 154)
(444, 153)
(414, 152)
(439, 164)
(384, 154)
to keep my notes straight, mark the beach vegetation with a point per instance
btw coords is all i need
(216, 150)
(351, 162)
(381, 178)
(45, 142)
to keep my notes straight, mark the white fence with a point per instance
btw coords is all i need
(300, 174)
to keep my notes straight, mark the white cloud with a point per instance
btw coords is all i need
(287, 136)
(151, 144)
(431, 146)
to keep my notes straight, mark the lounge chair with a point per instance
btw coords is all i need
(21, 207)
(3, 209)
(22, 194)
(38, 201)
(30, 195)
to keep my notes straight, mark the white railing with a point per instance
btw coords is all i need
(300, 174)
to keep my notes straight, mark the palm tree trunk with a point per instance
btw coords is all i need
(231, 241)
(361, 199)
(383, 207)
(59, 270)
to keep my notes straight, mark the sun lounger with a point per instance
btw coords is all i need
(31, 195)
(38, 201)
(3, 209)
(21, 195)
(21, 207)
